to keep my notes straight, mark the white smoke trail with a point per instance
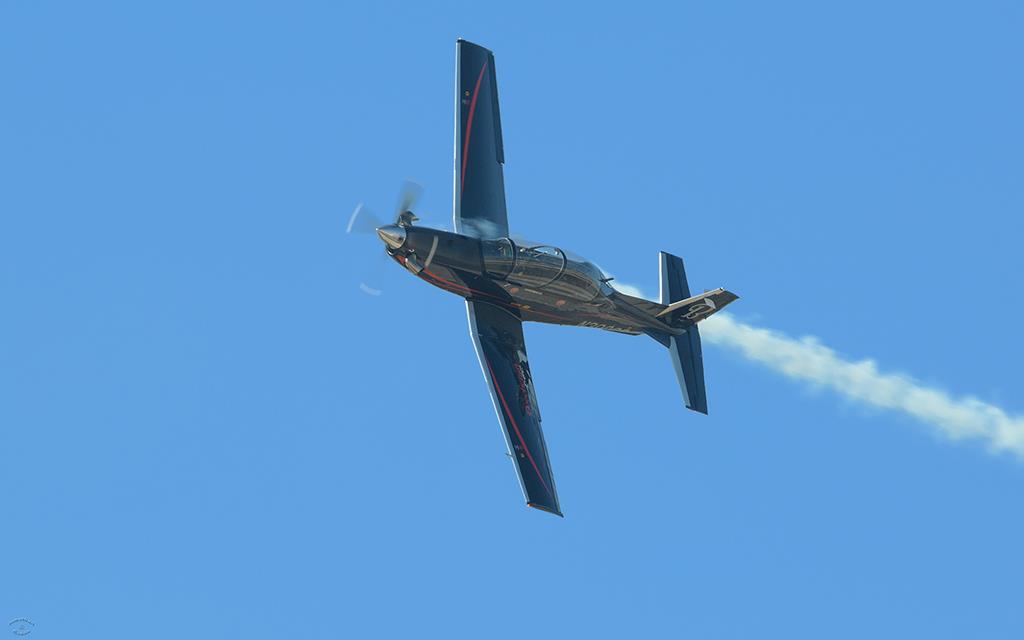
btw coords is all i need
(808, 360)
(629, 290)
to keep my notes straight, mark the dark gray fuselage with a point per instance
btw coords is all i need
(538, 283)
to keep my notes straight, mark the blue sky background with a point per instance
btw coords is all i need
(208, 431)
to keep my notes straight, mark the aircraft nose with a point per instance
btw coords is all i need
(392, 235)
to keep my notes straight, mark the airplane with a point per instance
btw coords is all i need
(507, 281)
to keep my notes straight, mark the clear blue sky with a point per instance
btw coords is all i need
(208, 431)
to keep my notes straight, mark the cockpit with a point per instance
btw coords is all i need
(538, 266)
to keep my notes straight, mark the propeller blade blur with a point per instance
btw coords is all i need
(374, 271)
(408, 196)
(363, 221)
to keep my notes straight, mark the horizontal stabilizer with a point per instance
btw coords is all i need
(684, 311)
(688, 362)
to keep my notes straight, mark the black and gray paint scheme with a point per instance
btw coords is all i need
(508, 281)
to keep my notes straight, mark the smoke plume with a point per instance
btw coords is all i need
(806, 359)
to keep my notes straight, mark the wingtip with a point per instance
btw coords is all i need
(545, 509)
(459, 41)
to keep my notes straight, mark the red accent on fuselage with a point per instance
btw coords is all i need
(462, 290)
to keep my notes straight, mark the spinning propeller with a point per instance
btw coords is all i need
(364, 221)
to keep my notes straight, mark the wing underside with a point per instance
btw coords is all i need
(479, 156)
(498, 337)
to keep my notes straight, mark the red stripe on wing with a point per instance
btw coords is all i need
(515, 427)
(469, 128)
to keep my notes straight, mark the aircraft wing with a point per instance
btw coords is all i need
(498, 337)
(479, 180)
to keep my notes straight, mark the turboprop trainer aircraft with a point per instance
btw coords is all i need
(508, 281)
